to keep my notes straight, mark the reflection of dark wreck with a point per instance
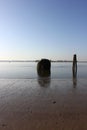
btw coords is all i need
(44, 82)
(43, 68)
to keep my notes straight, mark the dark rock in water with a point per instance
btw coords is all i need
(44, 64)
(43, 67)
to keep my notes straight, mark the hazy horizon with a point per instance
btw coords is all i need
(36, 60)
(36, 29)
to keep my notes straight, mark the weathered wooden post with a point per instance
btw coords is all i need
(74, 69)
(74, 64)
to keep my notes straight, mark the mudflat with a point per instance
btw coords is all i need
(43, 104)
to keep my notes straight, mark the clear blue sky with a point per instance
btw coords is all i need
(35, 29)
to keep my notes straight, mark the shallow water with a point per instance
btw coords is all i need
(28, 70)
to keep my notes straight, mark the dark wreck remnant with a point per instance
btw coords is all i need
(43, 67)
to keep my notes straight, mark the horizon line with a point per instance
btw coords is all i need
(39, 60)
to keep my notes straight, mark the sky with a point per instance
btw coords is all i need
(35, 29)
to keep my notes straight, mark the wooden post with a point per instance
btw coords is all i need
(74, 70)
(74, 65)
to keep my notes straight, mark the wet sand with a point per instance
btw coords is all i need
(28, 104)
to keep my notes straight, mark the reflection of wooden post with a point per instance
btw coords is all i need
(74, 65)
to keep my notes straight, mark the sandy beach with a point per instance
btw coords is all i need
(30, 104)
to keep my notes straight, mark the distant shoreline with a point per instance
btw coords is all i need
(38, 61)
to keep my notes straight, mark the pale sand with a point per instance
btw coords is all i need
(28, 104)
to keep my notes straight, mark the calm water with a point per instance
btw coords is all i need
(27, 70)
